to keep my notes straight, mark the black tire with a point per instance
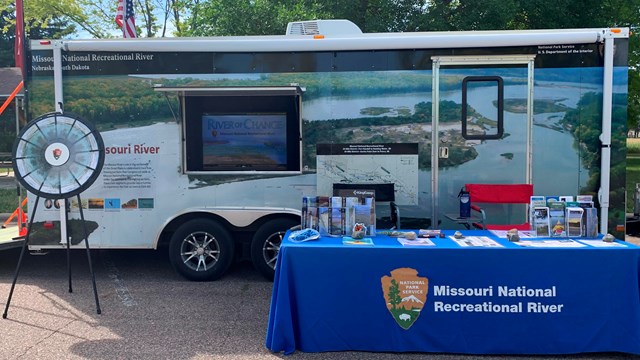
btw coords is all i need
(265, 245)
(201, 250)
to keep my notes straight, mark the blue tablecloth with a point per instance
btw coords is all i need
(499, 300)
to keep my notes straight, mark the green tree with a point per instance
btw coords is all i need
(248, 17)
(471, 15)
(96, 18)
(394, 294)
(269, 17)
(633, 113)
(6, 38)
(42, 17)
(378, 15)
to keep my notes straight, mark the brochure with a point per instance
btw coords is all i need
(416, 242)
(337, 217)
(523, 234)
(585, 202)
(541, 221)
(304, 217)
(591, 226)
(312, 218)
(534, 202)
(348, 240)
(566, 198)
(429, 233)
(475, 241)
(557, 218)
(323, 220)
(348, 203)
(574, 221)
(323, 201)
(584, 198)
(600, 243)
(309, 217)
(556, 243)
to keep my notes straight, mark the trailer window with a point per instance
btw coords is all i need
(239, 133)
(486, 92)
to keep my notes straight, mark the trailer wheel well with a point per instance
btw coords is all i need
(169, 229)
(259, 222)
(174, 224)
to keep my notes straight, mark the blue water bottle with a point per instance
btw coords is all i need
(465, 203)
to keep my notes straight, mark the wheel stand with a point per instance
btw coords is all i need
(26, 242)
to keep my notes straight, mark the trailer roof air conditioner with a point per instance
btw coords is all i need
(324, 27)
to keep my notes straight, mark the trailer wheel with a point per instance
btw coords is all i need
(201, 250)
(265, 245)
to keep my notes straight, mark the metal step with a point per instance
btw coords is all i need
(10, 244)
(10, 238)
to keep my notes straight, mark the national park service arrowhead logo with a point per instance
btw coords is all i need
(405, 294)
(57, 152)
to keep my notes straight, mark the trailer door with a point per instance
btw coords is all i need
(482, 126)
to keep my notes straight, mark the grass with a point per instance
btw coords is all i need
(8, 197)
(633, 170)
(633, 177)
(633, 146)
(8, 200)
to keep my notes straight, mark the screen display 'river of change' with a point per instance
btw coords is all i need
(244, 141)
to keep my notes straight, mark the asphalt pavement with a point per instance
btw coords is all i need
(149, 312)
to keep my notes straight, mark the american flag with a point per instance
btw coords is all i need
(125, 19)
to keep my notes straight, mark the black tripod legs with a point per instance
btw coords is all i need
(86, 242)
(24, 249)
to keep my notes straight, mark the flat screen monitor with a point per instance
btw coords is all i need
(242, 132)
(250, 141)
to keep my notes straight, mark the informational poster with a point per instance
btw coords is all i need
(377, 165)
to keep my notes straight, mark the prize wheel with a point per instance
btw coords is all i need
(58, 155)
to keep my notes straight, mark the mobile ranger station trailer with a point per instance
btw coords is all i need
(211, 143)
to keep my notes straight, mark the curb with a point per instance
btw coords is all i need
(4, 217)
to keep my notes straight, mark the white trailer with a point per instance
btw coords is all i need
(211, 143)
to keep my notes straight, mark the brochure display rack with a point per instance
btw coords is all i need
(553, 216)
(337, 215)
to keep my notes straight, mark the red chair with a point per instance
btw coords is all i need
(500, 194)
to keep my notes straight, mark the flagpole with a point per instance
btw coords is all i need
(19, 45)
